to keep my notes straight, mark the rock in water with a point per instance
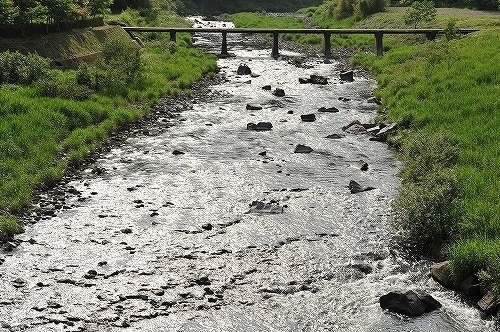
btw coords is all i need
(254, 107)
(261, 126)
(177, 152)
(278, 92)
(308, 117)
(266, 87)
(261, 207)
(328, 110)
(441, 272)
(355, 187)
(347, 76)
(409, 303)
(244, 70)
(303, 149)
(316, 79)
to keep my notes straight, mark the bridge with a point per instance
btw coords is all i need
(327, 33)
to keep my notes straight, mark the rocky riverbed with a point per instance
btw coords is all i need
(189, 221)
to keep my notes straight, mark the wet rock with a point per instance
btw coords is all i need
(261, 126)
(374, 100)
(126, 230)
(308, 117)
(207, 226)
(441, 272)
(254, 107)
(278, 92)
(347, 76)
(243, 70)
(470, 287)
(91, 274)
(263, 153)
(355, 187)
(354, 127)
(303, 149)
(314, 79)
(489, 303)
(344, 99)
(67, 281)
(389, 129)
(289, 112)
(261, 207)
(362, 165)
(409, 303)
(19, 282)
(335, 136)
(328, 110)
(98, 170)
(203, 281)
(266, 87)
(177, 152)
(158, 292)
(363, 267)
(53, 304)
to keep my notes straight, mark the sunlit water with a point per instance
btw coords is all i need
(321, 265)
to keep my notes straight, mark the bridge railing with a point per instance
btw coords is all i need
(327, 33)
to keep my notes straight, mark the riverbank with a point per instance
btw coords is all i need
(37, 153)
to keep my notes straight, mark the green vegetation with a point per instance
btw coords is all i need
(448, 88)
(420, 11)
(51, 118)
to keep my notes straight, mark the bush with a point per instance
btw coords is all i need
(124, 56)
(62, 87)
(420, 11)
(17, 68)
(339, 9)
(363, 8)
(423, 207)
(9, 227)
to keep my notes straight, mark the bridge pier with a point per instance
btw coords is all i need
(275, 53)
(172, 36)
(223, 51)
(379, 49)
(328, 45)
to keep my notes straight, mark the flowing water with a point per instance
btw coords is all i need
(170, 242)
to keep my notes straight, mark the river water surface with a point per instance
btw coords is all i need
(170, 242)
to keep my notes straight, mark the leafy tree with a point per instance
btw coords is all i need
(99, 7)
(58, 10)
(420, 11)
(6, 12)
(24, 11)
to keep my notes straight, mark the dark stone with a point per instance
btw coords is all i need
(334, 136)
(207, 226)
(441, 272)
(278, 92)
(261, 207)
(243, 70)
(489, 303)
(374, 100)
(254, 107)
(355, 187)
(354, 127)
(470, 287)
(266, 87)
(362, 165)
(261, 126)
(203, 281)
(328, 110)
(409, 303)
(290, 112)
(304, 80)
(316, 79)
(308, 117)
(177, 152)
(19, 282)
(303, 149)
(90, 274)
(389, 129)
(263, 153)
(347, 76)
(126, 230)
(344, 99)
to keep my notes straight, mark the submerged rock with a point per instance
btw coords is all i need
(335, 136)
(254, 107)
(261, 207)
(409, 303)
(308, 117)
(314, 79)
(278, 92)
(266, 87)
(244, 70)
(261, 126)
(303, 149)
(347, 76)
(355, 187)
(328, 110)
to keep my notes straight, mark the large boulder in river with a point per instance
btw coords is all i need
(489, 303)
(317, 79)
(254, 107)
(409, 303)
(303, 149)
(308, 117)
(261, 126)
(278, 92)
(244, 70)
(347, 76)
(441, 272)
(355, 187)
(328, 110)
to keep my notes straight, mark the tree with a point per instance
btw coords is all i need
(420, 11)
(99, 7)
(58, 10)
(6, 12)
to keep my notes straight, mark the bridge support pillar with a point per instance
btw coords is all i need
(328, 45)
(172, 36)
(431, 35)
(379, 49)
(275, 53)
(223, 51)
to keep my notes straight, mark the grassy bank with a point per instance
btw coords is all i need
(47, 126)
(445, 97)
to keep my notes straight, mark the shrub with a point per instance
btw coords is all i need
(9, 227)
(62, 87)
(423, 207)
(363, 8)
(124, 56)
(17, 68)
(420, 11)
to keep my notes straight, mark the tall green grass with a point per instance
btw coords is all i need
(41, 136)
(453, 87)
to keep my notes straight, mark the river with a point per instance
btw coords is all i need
(164, 241)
